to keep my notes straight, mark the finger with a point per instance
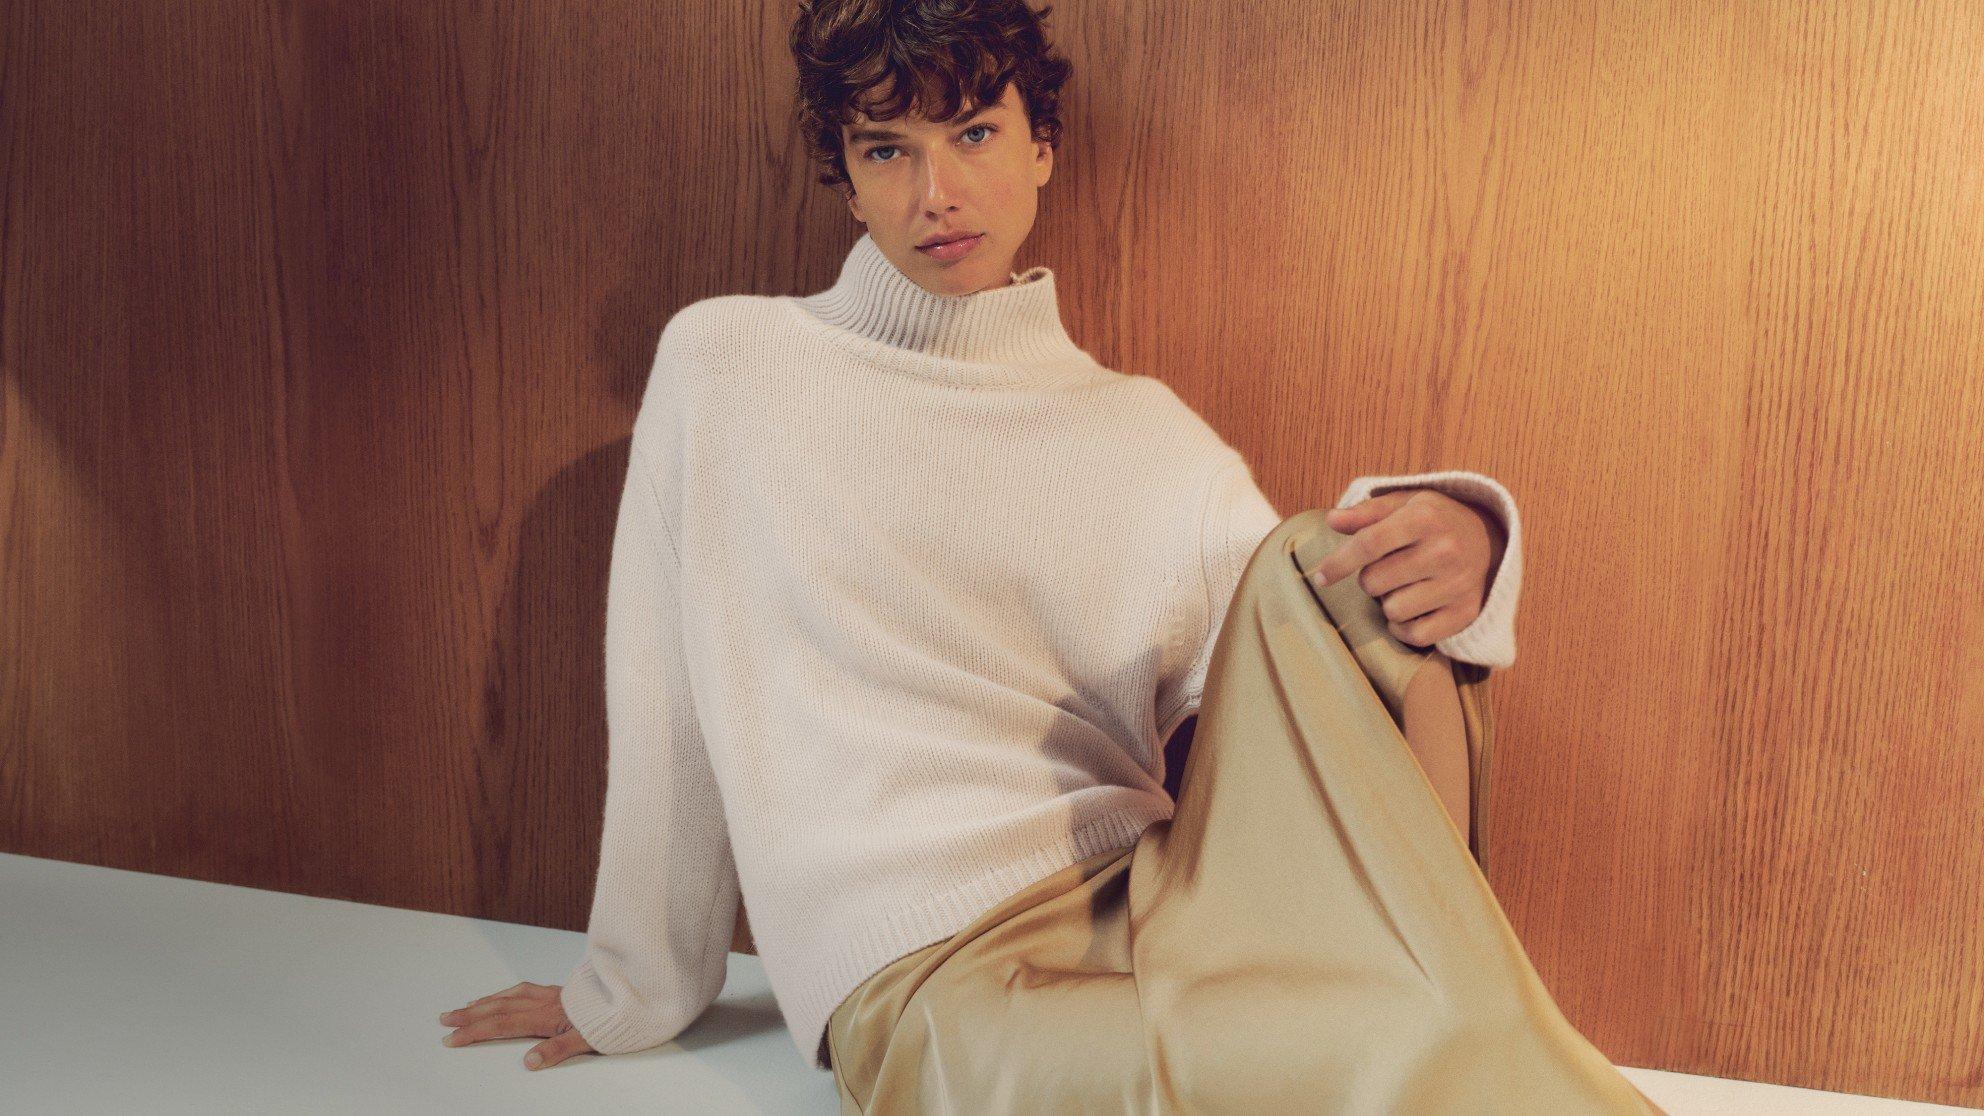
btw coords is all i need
(1368, 545)
(1428, 629)
(514, 998)
(513, 1024)
(1347, 520)
(516, 989)
(1366, 511)
(1434, 553)
(499, 1004)
(556, 1049)
(1408, 565)
(1404, 605)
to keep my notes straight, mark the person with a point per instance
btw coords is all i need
(908, 591)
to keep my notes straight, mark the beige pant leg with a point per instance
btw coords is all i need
(1309, 930)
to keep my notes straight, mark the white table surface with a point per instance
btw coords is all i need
(132, 992)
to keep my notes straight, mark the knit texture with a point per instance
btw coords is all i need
(907, 592)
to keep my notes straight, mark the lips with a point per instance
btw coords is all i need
(953, 249)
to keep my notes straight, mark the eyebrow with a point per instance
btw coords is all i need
(860, 134)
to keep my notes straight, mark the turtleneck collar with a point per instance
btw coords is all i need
(1003, 335)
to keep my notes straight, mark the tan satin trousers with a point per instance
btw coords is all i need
(1309, 933)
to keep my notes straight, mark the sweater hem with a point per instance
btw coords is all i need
(906, 931)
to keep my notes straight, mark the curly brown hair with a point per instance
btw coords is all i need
(930, 54)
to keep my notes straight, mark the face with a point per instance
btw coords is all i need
(913, 180)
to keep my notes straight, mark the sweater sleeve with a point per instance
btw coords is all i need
(1236, 517)
(665, 901)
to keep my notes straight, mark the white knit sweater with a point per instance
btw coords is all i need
(907, 593)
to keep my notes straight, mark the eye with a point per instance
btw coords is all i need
(870, 153)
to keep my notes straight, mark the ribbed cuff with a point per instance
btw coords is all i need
(592, 1015)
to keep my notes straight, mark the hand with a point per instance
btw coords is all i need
(1427, 556)
(524, 1011)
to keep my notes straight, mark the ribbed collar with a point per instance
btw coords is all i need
(1004, 335)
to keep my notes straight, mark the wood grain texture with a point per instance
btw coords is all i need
(323, 326)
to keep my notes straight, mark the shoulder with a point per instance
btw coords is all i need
(1149, 433)
(706, 345)
(707, 326)
(1165, 415)
(708, 336)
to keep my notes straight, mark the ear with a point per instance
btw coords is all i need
(1043, 163)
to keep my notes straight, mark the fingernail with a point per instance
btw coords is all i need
(447, 1017)
(533, 1059)
(448, 1039)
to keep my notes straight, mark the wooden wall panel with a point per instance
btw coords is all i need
(322, 328)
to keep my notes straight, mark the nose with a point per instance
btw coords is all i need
(940, 186)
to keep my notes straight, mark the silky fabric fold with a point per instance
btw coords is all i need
(1308, 933)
